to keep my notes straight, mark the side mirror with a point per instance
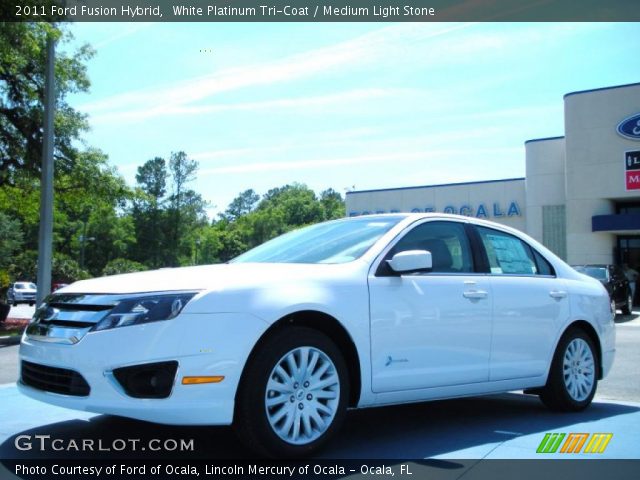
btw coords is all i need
(411, 261)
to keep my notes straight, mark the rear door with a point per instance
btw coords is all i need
(529, 306)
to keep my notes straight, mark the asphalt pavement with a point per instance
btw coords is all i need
(505, 426)
(22, 310)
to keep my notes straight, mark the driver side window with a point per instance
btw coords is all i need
(447, 242)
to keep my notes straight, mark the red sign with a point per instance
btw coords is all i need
(632, 170)
(633, 180)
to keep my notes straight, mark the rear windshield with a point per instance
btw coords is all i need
(596, 272)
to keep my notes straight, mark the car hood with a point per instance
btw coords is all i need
(209, 277)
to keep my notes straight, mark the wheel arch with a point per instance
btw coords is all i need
(332, 328)
(587, 328)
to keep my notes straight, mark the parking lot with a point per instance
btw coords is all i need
(502, 426)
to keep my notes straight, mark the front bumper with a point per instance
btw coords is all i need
(202, 344)
(24, 297)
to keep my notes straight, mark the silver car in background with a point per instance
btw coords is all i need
(22, 292)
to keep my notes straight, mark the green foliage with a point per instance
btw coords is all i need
(281, 209)
(10, 239)
(165, 225)
(64, 268)
(22, 79)
(241, 205)
(122, 265)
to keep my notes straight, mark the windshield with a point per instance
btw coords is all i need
(596, 272)
(25, 286)
(339, 241)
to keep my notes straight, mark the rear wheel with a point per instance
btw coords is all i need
(628, 306)
(573, 377)
(294, 394)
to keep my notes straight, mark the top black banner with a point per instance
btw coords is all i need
(319, 11)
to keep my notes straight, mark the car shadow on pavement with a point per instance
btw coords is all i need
(436, 428)
(415, 431)
(621, 318)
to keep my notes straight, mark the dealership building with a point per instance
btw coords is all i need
(581, 193)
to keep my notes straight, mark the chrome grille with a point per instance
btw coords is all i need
(67, 318)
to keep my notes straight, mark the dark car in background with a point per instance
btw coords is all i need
(615, 281)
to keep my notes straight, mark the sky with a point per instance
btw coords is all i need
(340, 105)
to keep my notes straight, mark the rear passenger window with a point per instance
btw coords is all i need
(447, 242)
(544, 267)
(508, 255)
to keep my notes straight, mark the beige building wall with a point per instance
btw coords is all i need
(545, 180)
(595, 166)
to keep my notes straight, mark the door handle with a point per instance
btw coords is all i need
(475, 294)
(558, 294)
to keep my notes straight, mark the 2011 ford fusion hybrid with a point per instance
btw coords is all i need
(352, 313)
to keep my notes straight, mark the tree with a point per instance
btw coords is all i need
(332, 204)
(64, 268)
(114, 236)
(297, 202)
(22, 79)
(10, 239)
(241, 205)
(122, 265)
(186, 205)
(152, 180)
(10, 243)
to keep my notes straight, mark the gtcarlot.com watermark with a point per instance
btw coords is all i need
(44, 443)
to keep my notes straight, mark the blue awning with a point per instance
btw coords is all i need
(608, 223)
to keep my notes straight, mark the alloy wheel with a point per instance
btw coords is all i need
(578, 369)
(302, 395)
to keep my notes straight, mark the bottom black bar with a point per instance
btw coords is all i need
(578, 469)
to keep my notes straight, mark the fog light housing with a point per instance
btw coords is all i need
(150, 380)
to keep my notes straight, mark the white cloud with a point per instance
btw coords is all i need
(391, 158)
(360, 50)
(333, 99)
(397, 44)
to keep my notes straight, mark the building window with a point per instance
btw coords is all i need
(554, 229)
(628, 208)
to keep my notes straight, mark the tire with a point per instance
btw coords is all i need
(296, 419)
(15, 304)
(572, 391)
(31, 304)
(628, 305)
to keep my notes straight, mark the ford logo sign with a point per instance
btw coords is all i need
(630, 127)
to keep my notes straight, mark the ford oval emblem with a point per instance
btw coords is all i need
(630, 127)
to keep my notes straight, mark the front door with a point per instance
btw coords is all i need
(431, 328)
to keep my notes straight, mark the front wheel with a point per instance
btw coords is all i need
(294, 394)
(573, 377)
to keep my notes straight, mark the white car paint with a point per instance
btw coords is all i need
(417, 337)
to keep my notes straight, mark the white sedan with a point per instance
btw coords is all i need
(353, 313)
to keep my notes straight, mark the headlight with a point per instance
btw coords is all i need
(144, 309)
